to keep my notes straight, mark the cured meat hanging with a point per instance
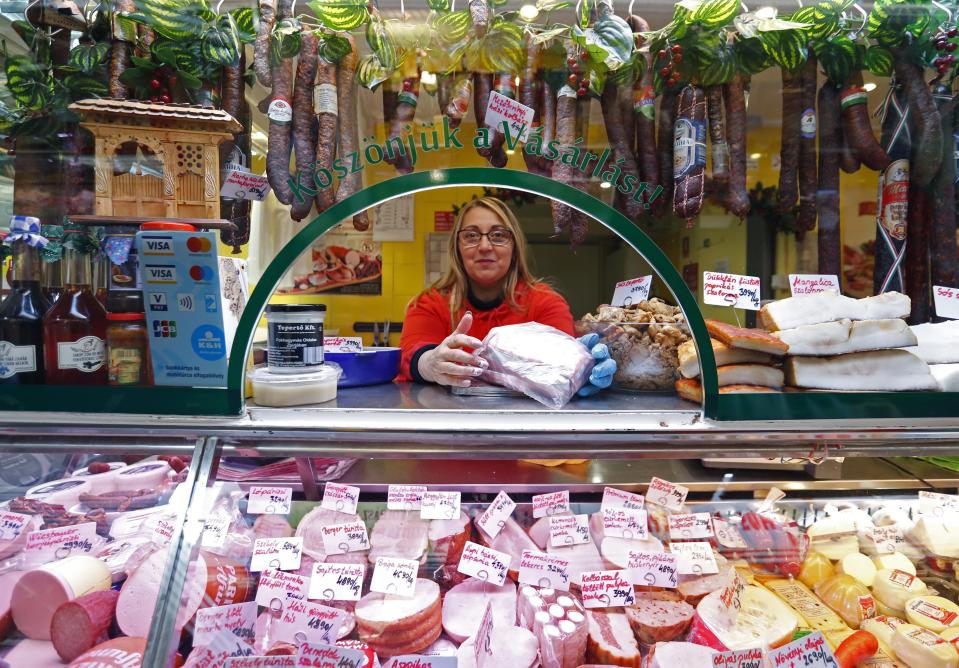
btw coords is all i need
(808, 174)
(942, 247)
(827, 199)
(893, 196)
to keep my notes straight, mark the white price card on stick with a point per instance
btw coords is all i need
(46, 545)
(667, 494)
(482, 649)
(518, 117)
(730, 598)
(440, 506)
(329, 656)
(238, 619)
(888, 539)
(276, 588)
(260, 662)
(568, 530)
(938, 505)
(215, 529)
(494, 517)
(734, 290)
(810, 651)
(689, 526)
(632, 291)
(739, 658)
(392, 575)
(809, 284)
(337, 582)
(341, 498)
(12, 524)
(242, 184)
(554, 503)
(269, 500)
(282, 554)
(653, 569)
(343, 538)
(484, 563)
(607, 589)
(617, 498)
(421, 661)
(405, 497)
(728, 535)
(695, 558)
(625, 523)
(544, 570)
(303, 621)
(946, 301)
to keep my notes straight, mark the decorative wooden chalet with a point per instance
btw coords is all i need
(156, 160)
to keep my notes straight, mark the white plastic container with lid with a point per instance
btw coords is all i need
(294, 337)
(299, 389)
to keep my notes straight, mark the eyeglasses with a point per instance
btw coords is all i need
(497, 237)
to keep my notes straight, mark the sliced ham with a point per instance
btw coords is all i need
(615, 551)
(582, 558)
(465, 605)
(399, 534)
(611, 639)
(272, 526)
(511, 647)
(310, 529)
(512, 540)
(659, 616)
(694, 588)
(139, 594)
(679, 654)
(448, 537)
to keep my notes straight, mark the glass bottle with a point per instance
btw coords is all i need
(53, 280)
(75, 329)
(128, 349)
(101, 278)
(21, 320)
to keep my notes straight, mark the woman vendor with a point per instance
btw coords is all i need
(488, 284)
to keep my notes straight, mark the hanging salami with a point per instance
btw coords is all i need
(827, 199)
(808, 175)
(689, 153)
(942, 244)
(734, 95)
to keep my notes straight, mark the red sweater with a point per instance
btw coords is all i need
(427, 320)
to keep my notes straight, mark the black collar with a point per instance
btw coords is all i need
(480, 305)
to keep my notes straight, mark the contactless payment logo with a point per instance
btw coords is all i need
(201, 274)
(164, 329)
(198, 245)
(209, 343)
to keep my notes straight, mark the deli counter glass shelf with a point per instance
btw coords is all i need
(549, 563)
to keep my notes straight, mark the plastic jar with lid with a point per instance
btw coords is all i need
(128, 349)
(294, 337)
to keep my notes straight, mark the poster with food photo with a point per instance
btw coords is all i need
(345, 263)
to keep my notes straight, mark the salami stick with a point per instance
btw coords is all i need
(734, 96)
(326, 116)
(261, 46)
(689, 153)
(231, 101)
(304, 123)
(622, 153)
(566, 108)
(927, 138)
(942, 247)
(827, 199)
(530, 94)
(856, 126)
(918, 286)
(81, 624)
(279, 146)
(482, 86)
(667, 116)
(406, 101)
(808, 177)
(349, 140)
(789, 140)
(644, 117)
(893, 197)
(848, 160)
(480, 17)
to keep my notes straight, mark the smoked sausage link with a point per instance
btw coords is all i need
(808, 178)
(942, 247)
(349, 135)
(667, 116)
(622, 152)
(406, 101)
(644, 118)
(689, 153)
(830, 146)
(856, 127)
(304, 123)
(326, 141)
(718, 147)
(927, 138)
(734, 95)
(789, 140)
(279, 148)
(261, 46)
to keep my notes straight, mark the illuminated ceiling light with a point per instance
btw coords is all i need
(755, 156)
(427, 78)
(764, 13)
(869, 87)
(528, 12)
(605, 184)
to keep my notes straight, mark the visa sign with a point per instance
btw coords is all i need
(159, 273)
(156, 245)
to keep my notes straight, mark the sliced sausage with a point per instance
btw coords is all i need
(304, 123)
(689, 153)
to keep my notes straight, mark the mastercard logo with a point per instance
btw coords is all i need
(198, 273)
(198, 245)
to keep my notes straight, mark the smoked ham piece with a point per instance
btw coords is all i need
(511, 539)
(310, 529)
(746, 339)
(465, 605)
(689, 358)
(395, 625)
(448, 537)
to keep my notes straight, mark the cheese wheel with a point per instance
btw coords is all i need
(103, 482)
(883, 627)
(859, 566)
(147, 475)
(952, 635)
(896, 560)
(932, 612)
(65, 492)
(920, 648)
(893, 588)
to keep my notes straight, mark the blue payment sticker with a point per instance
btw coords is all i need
(209, 343)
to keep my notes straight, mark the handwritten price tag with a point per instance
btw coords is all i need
(938, 505)
(695, 558)
(482, 650)
(810, 651)
(260, 662)
(342, 498)
(728, 535)
(163, 530)
(48, 545)
(554, 503)
(946, 301)
(337, 582)
(667, 494)
(405, 497)
(502, 109)
(303, 621)
(421, 661)
(484, 563)
(653, 569)
(395, 576)
(731, 290)
(888, 539)
(739, 658)
(617, 498)
(632, 291)
(686, 526)
(544, 570)
(343, 538)
(12, 524)
(568, 530)
(217, 651)
(494, 517)
(244, 185)
(239, 620)
(342, 344)
(625, 523)
(277, 587)
(214, 530)
(607, 589)
(730, 598)
(278, 553)
(440, 506)
(808, 284)
(269, 500)
(329, 656)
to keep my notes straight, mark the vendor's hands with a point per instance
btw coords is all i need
(601, 376)
(448, 363)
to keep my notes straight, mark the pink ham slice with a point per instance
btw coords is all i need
(512, 540)
(139, 594)
(511, 646)
(311, 527)
(465, 605)
(272, 526)
(400, 534)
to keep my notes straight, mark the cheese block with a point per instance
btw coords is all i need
(615, 550)
(798, 596)
(921, 648)
(894, 588)
(725, 355)
(932, 534)
(880, 370)
(764, 619)
(859, 566)
(896, 560)
(883, 627)
(847, 336)
(829, 306)
(932, 612)
(834, 536)
(848, 597)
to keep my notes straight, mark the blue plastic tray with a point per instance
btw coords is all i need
(370, 366)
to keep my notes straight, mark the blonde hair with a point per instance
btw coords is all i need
(456, 282)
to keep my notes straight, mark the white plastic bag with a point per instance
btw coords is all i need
(538, 360)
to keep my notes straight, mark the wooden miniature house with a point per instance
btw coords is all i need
(156, 160)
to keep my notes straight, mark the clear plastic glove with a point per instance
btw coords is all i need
(601, 376)
(448, 363)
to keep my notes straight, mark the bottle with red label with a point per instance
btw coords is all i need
(74, 330)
